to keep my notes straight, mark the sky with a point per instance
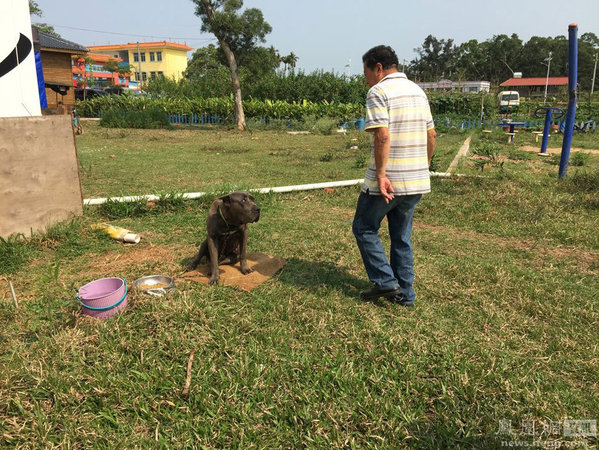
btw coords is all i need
(328, 35)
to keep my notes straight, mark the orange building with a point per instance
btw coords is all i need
(95, 72)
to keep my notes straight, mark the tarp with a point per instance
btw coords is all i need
(40, 80)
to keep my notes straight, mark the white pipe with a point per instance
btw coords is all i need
(299, 187)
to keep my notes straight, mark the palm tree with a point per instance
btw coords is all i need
(292, 58)
(112, 66)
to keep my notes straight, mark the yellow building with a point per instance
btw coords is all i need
(149, 60)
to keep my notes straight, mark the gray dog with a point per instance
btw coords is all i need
(227, 226)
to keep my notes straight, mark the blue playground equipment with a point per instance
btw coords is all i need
(571, 114)
(547, 111)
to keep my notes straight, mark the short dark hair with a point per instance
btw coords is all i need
(380, 54)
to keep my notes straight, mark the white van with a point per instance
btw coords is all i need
(508, 101)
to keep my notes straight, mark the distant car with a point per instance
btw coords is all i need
(88, 93)
(115, 90)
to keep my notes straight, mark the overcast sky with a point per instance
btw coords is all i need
(324, 34)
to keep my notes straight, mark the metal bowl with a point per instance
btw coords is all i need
(164, 285)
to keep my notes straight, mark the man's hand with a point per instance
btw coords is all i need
(386, 188)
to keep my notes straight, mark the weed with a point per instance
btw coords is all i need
(579, 159)
(583, 181)
(518, 155)
(360, 161)
(14, 253)
(434, 165)
(327, 157)
(489, 154)
(169, 202)
(113, 209)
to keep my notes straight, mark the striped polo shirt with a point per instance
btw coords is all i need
(400, 105)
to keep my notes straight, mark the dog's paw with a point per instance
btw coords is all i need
(246, 269)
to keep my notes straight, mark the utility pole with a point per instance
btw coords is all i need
(548, 59)
(139, 66)
(348, 68)
(594, 72)
(404, 65)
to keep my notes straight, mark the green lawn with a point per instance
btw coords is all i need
(117, 162)
(504, 327)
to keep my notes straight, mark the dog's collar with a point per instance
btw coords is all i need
(222, 217)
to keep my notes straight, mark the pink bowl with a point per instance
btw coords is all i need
(103, 298)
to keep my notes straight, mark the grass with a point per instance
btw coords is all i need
(504, 326)
(116, 162)
(522, 157)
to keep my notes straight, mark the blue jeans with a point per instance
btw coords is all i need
(370, 212)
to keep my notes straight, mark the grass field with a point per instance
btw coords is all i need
(504, 327)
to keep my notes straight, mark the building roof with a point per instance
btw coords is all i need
(47, 41)
(540, 81)
(102, 58)
(133, 46)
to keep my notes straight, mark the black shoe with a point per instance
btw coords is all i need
(376, 292)
(401, 300)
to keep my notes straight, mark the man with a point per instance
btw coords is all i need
(403, 141)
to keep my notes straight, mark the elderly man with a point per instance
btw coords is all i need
(403, 141)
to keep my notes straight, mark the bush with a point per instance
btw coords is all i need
(222, 107)
(148, 119)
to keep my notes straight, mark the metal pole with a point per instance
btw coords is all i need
(547, 78)
(546, 130)
(571, 114)
(139, 66)
(594, 72)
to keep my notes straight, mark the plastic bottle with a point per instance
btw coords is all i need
(118, 233)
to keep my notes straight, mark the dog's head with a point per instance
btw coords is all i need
(239, 207)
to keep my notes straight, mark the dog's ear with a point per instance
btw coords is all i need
(226, 198)
(215, 205)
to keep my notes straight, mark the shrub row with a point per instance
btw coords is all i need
(222, 106)
(447, 105)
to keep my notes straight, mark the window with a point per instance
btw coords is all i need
(160, 74)
(143, 57)
(153, 75)
(137, 76)
(144, 75)
(135, 57)
(151, 56)
(159, 56)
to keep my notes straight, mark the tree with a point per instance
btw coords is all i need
(237, 34)
(437, 57)
(289, 60)
(111, 66)
(35, 10)
(503, 57)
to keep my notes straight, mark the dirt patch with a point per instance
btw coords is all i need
(140, 259)
(557, 150)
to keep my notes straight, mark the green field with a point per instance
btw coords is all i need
(504, 326)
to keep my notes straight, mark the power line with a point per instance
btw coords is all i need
(137, 35)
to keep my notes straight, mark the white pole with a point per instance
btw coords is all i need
(594, 72)
(547, 79)
(300, 187)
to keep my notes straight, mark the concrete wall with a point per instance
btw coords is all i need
(39, 177)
